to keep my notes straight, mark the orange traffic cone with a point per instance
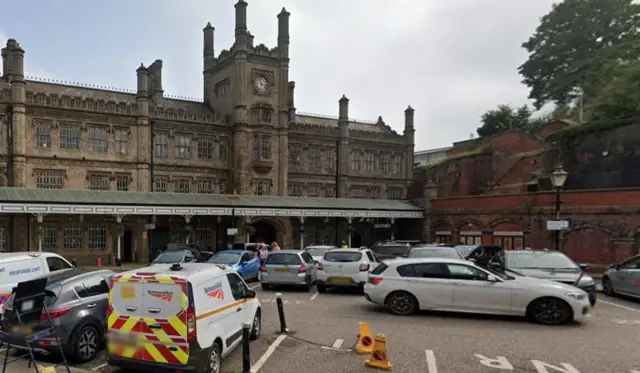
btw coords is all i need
(378, 358)
(365, 339)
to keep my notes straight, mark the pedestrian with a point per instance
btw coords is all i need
(344, 245)
(263, 254)
(274, 246)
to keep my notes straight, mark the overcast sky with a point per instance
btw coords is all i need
(451, 60)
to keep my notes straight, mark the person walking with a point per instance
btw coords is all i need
(263, 254)
(275, 246)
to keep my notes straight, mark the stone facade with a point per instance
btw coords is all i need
(245, 135)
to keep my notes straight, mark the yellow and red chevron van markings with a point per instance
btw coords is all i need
(152, 343)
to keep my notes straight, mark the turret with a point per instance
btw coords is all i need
(241, 26)
(155, 80)
(142, 97)
(409, 135)
(208, 51)
(283, 33)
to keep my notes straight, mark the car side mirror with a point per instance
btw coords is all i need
(492, 278)
(583, 266)
(249, 293)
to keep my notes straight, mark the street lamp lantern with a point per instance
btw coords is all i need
(559, 177)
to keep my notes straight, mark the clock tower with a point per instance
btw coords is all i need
(249, 85)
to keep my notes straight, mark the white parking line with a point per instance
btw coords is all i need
(619, 305)
(97, 368)
(267, 354)
(314, 296)
(431, 361)
(254, 286)
(338, 343)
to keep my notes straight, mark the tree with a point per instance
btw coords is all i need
(620, 98)
(572, 44)
(503, 118)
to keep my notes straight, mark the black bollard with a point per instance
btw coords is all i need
(246, 354)
(283, 322)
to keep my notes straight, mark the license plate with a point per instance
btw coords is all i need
(282, 269)
(341, 281)
(22, 330)
(125, 342)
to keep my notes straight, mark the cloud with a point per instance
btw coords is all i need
(450, 60)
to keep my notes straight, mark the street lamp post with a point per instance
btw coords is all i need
(558, 178)
(233, 200)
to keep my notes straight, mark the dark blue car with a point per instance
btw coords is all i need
(245, 262)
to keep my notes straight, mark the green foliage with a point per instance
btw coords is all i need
(478, 150)
(620, 97)
(502, 119)
(574, 43)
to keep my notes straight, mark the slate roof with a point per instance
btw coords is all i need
(94, 197)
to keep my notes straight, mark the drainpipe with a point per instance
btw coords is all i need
(151, 186)
(337, 184)
(10, 175)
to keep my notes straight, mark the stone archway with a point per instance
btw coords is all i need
(274, 228)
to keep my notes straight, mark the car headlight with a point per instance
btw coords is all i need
(577, 295)
(586, 281)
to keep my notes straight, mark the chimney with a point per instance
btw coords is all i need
(208, 52)
(283, 33)
(241, 25)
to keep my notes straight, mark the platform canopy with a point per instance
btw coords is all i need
(92, 202)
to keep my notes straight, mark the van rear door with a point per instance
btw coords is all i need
(164, 325)
(147, 318)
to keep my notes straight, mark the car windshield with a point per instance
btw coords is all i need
(395, 250)
(342, 256)
(434, 252)
(170, 257)
(283, 259)
(465, 250)
(225, 258)
(538, 260)
(317, 251)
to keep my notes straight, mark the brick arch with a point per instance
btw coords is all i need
(282, 226)
(475, 222)
(505, 224)
(442, 224)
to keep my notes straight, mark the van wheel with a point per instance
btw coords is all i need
(256, 328)
(215, 358)
(86, 344)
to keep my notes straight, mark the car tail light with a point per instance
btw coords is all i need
(320, 267)
(302, 269)
(54, 314)
(375, 280)
(364, 267)
(191, 323)
(263, 269)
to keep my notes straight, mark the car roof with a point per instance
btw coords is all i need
(347, 249)
(533, 251)
(11, 257)
(400, 261)
(320, 247)
(188, 271)
(234, 251)
(297, 252)
(429, 247)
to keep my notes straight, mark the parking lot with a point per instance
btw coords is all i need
(325, 326)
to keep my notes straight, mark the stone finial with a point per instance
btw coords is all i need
(208, 27)
(380, 121)
(344, 99)
(141, 68)
(284, 12)
(409, 110)
(241, 3)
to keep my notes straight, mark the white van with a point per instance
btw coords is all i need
(23, 266)
(182, 317)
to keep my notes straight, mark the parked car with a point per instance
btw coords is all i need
(317, 251)
(245, 262)
(188, 323)
(465, 250)
(623, 278)
(288, 267)
(175, 256)
(405, 286)
(77, 302)
(431, 251)
(551, 265)
(200, 256)
(391, 250)
(345, 268)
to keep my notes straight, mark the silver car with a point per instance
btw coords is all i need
(317, 251)
(288, 267)
(623, 279)
(77, 301)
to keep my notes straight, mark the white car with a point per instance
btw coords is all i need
(189, 316)
(405, 286)
(344, 268)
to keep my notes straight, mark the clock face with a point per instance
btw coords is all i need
(261, 84)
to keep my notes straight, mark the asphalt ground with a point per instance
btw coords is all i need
(323, 327)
